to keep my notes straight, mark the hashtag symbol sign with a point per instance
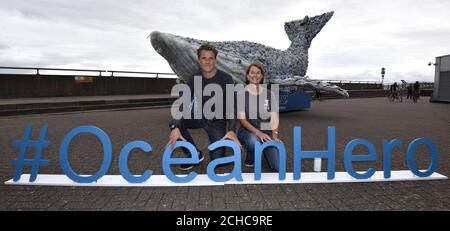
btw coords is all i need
(23, 146)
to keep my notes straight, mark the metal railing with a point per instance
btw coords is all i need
(110, 73)
(104, 73)
(349, 81)
(423, 85)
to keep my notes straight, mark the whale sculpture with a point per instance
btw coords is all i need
(287, 67)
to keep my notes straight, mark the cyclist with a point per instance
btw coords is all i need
(393, 89)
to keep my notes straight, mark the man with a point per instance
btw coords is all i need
(410, 91)
(416, 89)
(317, 93)
(216, 128)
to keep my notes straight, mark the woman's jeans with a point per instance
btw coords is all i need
(248, 139)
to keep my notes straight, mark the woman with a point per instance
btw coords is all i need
(258, 122)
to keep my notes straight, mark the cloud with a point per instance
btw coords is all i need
(362, 36)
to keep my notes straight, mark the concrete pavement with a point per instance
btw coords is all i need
(374, 119)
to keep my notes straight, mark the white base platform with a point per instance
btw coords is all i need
(203, 179)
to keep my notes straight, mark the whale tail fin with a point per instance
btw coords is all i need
(306, 29)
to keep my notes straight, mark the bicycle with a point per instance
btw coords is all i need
(396, 95)
(415, 96)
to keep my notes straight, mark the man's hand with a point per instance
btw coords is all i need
(232, 136)
(174, 136)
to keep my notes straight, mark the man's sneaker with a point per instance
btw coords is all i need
(249, 164)
(186, 167)
(224, 165)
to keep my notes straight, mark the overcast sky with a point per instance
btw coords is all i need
(361, 37)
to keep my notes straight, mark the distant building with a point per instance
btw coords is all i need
(441, 90)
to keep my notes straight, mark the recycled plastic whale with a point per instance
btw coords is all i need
(284, 67)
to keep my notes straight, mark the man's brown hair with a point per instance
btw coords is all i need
(207, 47)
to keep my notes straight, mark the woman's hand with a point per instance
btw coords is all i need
(278, 140)
(275, 137)
(263, 136)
